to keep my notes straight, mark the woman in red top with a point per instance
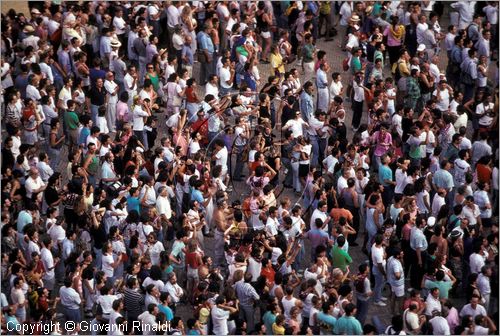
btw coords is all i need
(483, 169)
(192, 100)
(193, 261)
(268, 271)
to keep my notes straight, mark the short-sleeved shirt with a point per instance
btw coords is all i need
(417, 239)
(384, 173)
(444, 287)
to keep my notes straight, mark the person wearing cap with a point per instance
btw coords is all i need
(31, 40)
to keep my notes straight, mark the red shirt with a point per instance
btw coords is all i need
(202, 127)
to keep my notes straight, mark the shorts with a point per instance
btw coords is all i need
(265, 35)
(399, 291)
(192, 273)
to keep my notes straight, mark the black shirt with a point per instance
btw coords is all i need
(97, 96)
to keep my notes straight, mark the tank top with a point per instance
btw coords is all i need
(192, 260)
(155, 81)
(348, 200)
(93, 165)
(59, 145)
(261, 24)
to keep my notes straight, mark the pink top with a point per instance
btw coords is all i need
(122, 111)
(383, 143)
(391, 41)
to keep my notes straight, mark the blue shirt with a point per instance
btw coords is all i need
(250, 81)
(96, 73)
(197, 196)
(169, 315)
(84, 133)
(443, 179)
(384, 173)
(188, 53)
(24, 218)
(306, 105)
(205, 42)
(133, 203)
(269, 318)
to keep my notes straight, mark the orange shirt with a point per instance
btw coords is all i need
(336, 213)
(483, 173)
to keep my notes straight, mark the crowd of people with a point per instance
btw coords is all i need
(210, 166)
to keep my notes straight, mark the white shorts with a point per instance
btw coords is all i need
(399, 291)
(266, 34)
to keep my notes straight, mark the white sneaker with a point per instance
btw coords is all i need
(384, 298)
(380, 303)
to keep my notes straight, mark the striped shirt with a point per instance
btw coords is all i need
(246, 293)
(134, 302)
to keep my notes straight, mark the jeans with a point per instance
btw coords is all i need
(379, 283)
(362, 306)
(248, 314)
(142, 138)
(238, 167)
(98, 258)
(296, 181)
(289, 175)
(93, 113)
(315, 150)
(207, 69)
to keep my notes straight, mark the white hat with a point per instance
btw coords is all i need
(354, 18)
(115, 43)
(35, 11)
(431, 221)
(421, 47)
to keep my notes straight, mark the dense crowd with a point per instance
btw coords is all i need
(204, 165)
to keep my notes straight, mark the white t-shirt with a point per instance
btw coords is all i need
(154, 252)
(107, 265)
(378, 256)
(139, 114)
(221, 158)
(476, 262)
(219, 321)
(444, 101)
(32, 185)
(225, 75)
(163, 206)
(440, 326)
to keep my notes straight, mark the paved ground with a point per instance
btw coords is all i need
(335, 57)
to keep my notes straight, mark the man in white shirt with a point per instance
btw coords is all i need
(432, 303)
(163, 204)
(112, 99)
(147, 320)
(49, 264)
(130, 82)
(439, 324)
(34, 183)
(44, 168)
(477, 260)
(221, 156)
(70, 302)
(220, 314)
(272, 223)
(173, 15)
(473, 308)
(321, 213)
(226, 74)
(484, 285)
(174, 290)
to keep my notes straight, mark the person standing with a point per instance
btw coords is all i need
(308, 54)
(206, 51)
(396, 279)
(111, 100)
(378, 269)
(322, 85)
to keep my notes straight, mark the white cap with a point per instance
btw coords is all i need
(431, 221)
(421, 47)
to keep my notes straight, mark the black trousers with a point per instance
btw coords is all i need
(357, 113)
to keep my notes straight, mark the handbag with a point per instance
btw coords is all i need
(201, 56)
(465, 77)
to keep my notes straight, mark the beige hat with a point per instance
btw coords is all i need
(421, 47)
(35, 11)
(28, 29)
(369, 9)
(115, 44)
(354, 18)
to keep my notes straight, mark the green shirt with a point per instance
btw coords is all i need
(71, 120)
(340, 258)
(348, 325)
(308, 53)
(444, 287)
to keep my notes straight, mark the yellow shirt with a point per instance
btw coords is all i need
(277, 62)
(277, 330)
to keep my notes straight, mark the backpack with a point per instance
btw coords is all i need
(359, 283)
